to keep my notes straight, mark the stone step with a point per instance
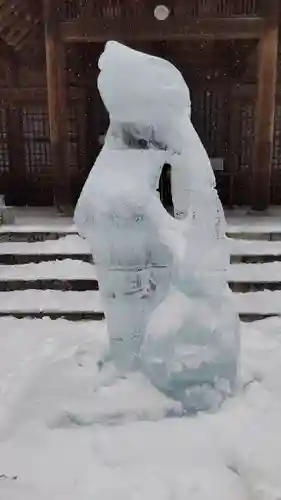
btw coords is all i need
(250, 317)
(75, 284)
(69, 246)
(19, 233)
(35, 258)
(254, 277)
(258, 304)
(243, 251)
(56, 263)
(33, 233)
(99, 316)
(67, 315)
(66, 274)
(254, 232)
(67, 269)
(70, 284)
(254, 287)
(254, 259)
(52, 303)
(86, 305)
(71, 274)
(16, 259)
(31, 236)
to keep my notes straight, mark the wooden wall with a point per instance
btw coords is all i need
(222, 80)
(26, 175)
(222, 107)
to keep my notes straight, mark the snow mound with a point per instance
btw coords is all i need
(48, 367)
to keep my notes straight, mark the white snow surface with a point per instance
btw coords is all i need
(51, 226)
(48, 372)
(254, 247)
(89, 301)
(239, 222)
(255, 273)
(71, 244)
(59, 269)
(244, 226)
(50, 301)
(265, 302)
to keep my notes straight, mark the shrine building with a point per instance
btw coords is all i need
(52, 120)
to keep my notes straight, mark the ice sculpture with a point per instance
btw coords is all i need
(162, 279)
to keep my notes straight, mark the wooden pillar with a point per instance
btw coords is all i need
(265, 107)
(15, 195)
(57, 104)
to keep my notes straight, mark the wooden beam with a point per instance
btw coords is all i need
(265, 108)
(57, 105)
(99, 30)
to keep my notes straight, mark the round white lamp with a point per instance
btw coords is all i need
(161, 12)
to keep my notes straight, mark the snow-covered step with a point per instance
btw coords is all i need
(57, 270)
(15, 259)
(254, 251)
(52, 303)
(87, 305)
(71, 247)
(65, 245)
(246, 277)
(256, 305)
(67, 274)
(252, 231)
(59, 227)
(36, 232)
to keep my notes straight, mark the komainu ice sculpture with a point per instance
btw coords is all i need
(162, 278)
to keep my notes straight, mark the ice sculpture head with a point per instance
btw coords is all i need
(162, 94)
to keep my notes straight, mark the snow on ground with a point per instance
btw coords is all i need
(49, 371)
(60, 269)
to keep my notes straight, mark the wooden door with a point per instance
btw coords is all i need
(26, 171)
(38, 176)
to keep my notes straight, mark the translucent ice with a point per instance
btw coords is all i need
(162, 279)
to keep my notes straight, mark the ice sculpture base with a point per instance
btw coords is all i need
(120, 400)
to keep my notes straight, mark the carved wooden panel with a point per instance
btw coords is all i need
(210, 117)
(243, 113)
(114, 9)
(37, 153)
(26, 154)
(37, 161)
(246, 135)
